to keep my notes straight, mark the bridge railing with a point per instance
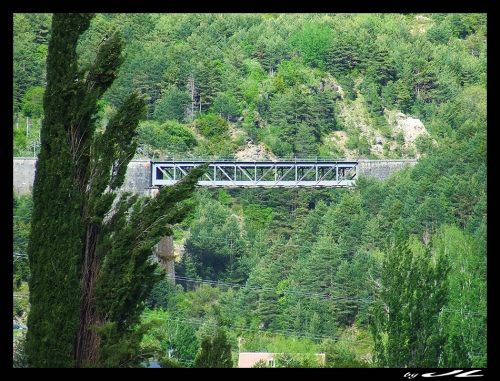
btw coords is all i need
(214, 158)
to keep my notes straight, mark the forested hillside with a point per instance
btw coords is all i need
(389, 273)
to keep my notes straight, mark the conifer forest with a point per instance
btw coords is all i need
(388, 273)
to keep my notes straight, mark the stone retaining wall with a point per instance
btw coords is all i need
(382, 169)
(24, 174)
(137, 178)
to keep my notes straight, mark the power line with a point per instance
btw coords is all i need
(465, 312)
(309, 246)
(292, 292)
(288, 332)
(311, 294)
(248, 242)
(274, 290)
(22, 217)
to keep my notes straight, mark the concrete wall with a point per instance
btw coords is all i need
(138, 176)
(24, 174)
(382, 169)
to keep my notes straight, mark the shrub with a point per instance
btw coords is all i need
(212, 126)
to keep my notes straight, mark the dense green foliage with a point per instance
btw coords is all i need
(407, 328)
(215, 352)
(282, 80)
(23, 208)
(293, 271)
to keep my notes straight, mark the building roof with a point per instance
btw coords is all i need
(248, 359)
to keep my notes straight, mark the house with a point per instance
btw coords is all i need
(249, 359)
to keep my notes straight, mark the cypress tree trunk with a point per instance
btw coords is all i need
(90, 254)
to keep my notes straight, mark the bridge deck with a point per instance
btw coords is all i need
(260, 174)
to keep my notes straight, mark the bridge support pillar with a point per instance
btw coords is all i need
(165, 255)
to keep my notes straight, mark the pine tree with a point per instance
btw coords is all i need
(384, 64)
(324, 106)
(341, 57)
(305, 141)
(208, 77)
(89, 252)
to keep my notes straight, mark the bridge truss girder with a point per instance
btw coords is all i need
(339, 174)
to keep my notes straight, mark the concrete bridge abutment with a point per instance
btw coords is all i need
(382, 169)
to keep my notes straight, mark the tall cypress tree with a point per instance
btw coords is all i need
(407, 328)
(89, 251)
(215, 352)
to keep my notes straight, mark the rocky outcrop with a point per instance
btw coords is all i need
(254, 152)
(411, 128)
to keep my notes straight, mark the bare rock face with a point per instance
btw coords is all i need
(254, 152)
(412, 128)
(328, 83)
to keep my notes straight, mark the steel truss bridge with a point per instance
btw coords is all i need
(231, 174)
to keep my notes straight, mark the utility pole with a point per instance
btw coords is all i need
(192, 89)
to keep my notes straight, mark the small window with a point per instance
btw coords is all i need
(271, 362)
